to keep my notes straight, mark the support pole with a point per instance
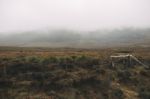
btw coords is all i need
(129, 60)
(112, 63)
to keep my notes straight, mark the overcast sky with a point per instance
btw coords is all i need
(20, 15)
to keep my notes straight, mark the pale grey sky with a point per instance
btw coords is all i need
(20, 15)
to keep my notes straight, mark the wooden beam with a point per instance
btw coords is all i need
(128, 57)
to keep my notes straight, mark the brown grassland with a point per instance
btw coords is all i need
(66, 73)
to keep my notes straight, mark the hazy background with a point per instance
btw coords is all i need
(74, 23)
(16, 15)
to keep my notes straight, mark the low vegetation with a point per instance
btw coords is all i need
(72, 74)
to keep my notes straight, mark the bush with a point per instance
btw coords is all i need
(49, 60)
(117, 94)
(66, 62)
(86, 61)
(145, 73)
(33, 59)
(144, 92)
(124, 76)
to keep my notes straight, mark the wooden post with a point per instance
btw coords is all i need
(5, 72)
(129, 60)
(112, 63)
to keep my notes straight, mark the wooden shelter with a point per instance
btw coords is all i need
(128, 59)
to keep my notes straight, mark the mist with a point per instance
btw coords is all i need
(81, 15)
(74, 23)
(79, 39)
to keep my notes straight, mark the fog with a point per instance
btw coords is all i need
(76, 39)
(80, 15)
(74, 23)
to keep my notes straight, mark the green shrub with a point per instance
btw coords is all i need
(33, 59)
(124, 76)
(86, 61)
(144, 92)
(49, 60)
(117, 94)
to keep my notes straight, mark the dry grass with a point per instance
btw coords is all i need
(72, 74)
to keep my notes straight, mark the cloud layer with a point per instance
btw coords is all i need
(21, 15)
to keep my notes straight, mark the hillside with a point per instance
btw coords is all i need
(76, 39)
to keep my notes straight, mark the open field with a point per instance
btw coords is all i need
(66, 73)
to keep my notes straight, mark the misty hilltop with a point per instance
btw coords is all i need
(77, 39)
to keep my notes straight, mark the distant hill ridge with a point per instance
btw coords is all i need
(69, 38)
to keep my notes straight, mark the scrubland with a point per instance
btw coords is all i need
(65, 73)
